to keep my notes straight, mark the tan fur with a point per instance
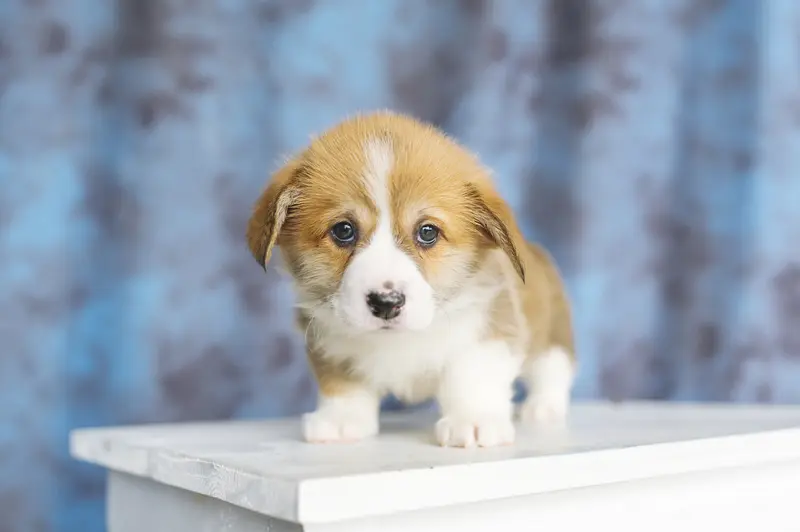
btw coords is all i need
(535, 312)
(333, 378)
(434, 179)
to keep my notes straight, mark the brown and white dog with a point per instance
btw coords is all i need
(413, 278)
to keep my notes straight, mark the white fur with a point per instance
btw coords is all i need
(549, 377)
(408, 364)
(347, 417)
(382, 261)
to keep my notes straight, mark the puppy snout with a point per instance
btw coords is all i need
(386, 305)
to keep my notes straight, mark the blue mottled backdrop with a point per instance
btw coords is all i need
(653, 146)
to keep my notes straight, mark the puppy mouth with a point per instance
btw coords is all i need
(390, 326)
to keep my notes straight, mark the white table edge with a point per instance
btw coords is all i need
(320, 500)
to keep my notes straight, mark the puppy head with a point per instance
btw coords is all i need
(382, 221)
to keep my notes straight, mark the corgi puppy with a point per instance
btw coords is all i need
(412, 278)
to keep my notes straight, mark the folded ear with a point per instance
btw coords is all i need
(494, 219)
(270, 211)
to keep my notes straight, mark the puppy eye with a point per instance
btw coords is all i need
(427, 235)
(343, 233)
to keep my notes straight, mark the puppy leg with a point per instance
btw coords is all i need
(549, 377)
(475, 397)
(348, 416)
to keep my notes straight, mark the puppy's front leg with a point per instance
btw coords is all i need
(475, 396)
(347, 415)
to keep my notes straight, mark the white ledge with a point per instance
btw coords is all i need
(265, 467)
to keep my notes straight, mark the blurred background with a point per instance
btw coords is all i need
(653, 146)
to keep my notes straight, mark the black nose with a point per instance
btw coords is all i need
(386, 305)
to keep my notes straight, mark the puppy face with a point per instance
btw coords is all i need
(382, 221)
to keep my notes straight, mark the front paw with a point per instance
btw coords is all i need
(469, 432)
(326, 426)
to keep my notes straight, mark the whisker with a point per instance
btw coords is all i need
(308, 328)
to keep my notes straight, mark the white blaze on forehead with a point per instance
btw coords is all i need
(380, 160)
(382, 247)
(382, 255)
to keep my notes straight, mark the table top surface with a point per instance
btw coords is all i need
(264, 465)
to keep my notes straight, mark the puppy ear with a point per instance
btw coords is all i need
(494, 219)
(270, 211)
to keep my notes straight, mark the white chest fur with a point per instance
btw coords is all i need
(409, 364)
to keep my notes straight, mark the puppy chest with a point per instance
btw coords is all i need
(409, 370)
(415, 389)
